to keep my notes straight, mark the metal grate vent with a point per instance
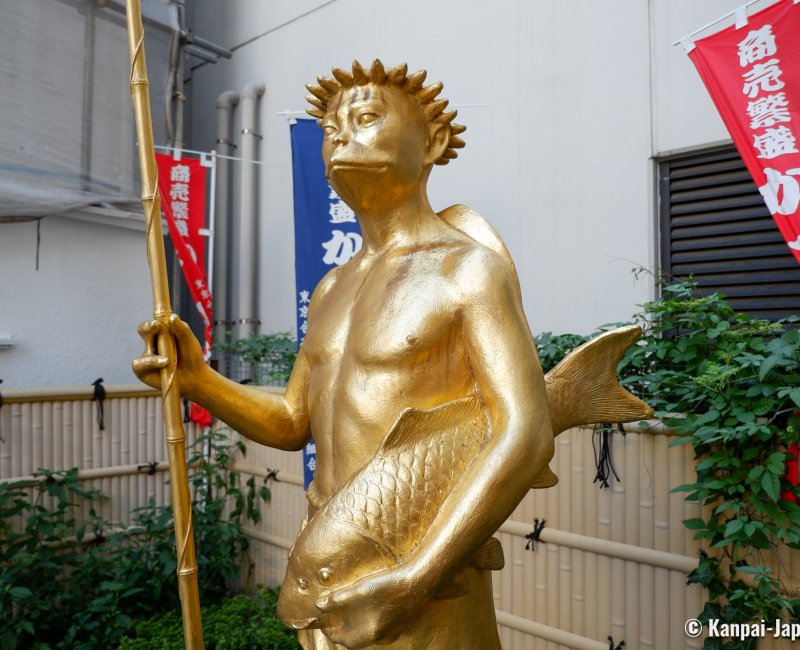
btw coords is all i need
(716, 228)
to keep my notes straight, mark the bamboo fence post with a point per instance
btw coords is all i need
(173, 427)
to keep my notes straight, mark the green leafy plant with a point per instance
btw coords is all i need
(243, 622)
(729, 385)
(554, 347)
(273, 355)
(61, 589)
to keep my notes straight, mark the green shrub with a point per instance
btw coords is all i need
(729, 384)
(272, 355)
(242, 622)
(58, 592)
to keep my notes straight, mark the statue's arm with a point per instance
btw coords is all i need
(279, 421)
(267, 418)
(509, 378)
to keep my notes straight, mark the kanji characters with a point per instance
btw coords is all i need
(180, 209)
(342, 213)
(769, 110)
(179, 174)
(758, 45)
(775, 142)
(179, 192)
(762, 76)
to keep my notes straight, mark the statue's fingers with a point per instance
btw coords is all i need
(148, 328)
(148, 363)
(148, 331)
(181, 330)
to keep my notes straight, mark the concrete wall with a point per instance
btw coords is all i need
(566, 105)
(74, 319)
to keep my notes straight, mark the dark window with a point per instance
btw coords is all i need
(716, 228)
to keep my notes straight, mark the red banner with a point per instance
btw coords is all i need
(182, 185)
(753, 75)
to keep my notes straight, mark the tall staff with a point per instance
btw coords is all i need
(175, 435)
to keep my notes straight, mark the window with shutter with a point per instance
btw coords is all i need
(716, 229)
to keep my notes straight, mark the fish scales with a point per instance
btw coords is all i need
(398, 494)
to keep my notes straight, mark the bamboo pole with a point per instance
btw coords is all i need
(174, 433)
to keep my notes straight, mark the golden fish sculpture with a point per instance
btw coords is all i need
(382, 513)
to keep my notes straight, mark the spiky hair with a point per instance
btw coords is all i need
(397, 77)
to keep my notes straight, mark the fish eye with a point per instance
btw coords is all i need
(302, 583)
(325, 576)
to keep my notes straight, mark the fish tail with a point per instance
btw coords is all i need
(583, 388)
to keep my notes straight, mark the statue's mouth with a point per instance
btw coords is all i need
(346, 164)
(302, 623)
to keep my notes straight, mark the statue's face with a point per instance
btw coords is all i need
(376, 140)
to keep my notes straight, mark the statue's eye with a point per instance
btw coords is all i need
(302, 583)
(325, 576)
(329, 129)
(366, 119)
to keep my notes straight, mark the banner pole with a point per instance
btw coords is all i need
(173, 427)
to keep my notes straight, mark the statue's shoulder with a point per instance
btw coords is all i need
(476, 227)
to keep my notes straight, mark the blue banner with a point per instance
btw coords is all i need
(326, 233)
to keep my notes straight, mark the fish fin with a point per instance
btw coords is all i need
(583, 388)
(453, 588)
(314, 497)
(545, 480)
(490, 556)
(414, 424)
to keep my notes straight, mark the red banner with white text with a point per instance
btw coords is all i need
(753, 75)
(182, 185)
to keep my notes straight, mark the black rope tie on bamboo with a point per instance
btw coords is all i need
(602, 457)
(99, 397)
(532, 537)
(272, 475)
(619, 646)
(150, 467)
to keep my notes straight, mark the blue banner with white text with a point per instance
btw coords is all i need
(326, 233)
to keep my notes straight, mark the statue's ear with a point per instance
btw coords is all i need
(438, 139)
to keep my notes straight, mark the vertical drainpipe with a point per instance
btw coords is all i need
(248, 322)
(221, 289)
(88, 96)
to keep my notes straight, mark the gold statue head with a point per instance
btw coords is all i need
(328, 89)
(384, 131)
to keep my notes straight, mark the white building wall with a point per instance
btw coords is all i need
(566, 105)
(74, 319)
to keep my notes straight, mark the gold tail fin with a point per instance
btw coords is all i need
(583, 388)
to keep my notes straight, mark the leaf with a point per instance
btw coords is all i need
(771, 486)
(767, 365)
(733, 527)
(694, 524)
(20, 592)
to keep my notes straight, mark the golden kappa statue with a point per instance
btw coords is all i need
(419, 381)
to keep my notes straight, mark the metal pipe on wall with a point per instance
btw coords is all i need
(247, 320)
(222, 228)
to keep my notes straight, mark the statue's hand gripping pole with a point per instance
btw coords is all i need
(174, 433)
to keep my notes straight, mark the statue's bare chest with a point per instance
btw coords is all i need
(389, 315)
